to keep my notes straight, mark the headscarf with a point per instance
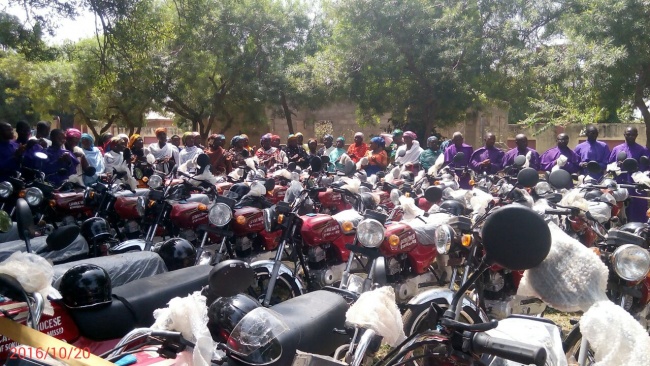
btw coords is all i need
(358, 134)
(72, 132)
(185, 136)
(124, 136)
(340, 138)
(379, 141)
(411, 134)
(328, 136)
(431, 138)
(160, 130)
(88, 137)
(312, 140)
(292, 138)
(133, 139)
(114, 142)
(298, 134)
(397, 132)
(275, 137)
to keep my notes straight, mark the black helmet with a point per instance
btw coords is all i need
(453, 207)
(368, 201)
(95, 229)
(177, 253)
(226, 312)
(85, 285)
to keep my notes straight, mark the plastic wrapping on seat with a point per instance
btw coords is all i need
(411, 211)
(189, 316)
(294, 190)
(620, 194)
(10, 235)
(425, 231)
(571, 278)
(600, 211)
(575, 198)
(78, 249)
(121, 268)
(541, 206)
(351, 184)
(531, 332)
(641, 177)
(378, 311)
(479, 201)
(616, 337)
(348, 215)
(34, 274)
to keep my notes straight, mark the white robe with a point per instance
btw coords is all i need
(167, 151)
(114, 160)
(412, 155)
(188, 153)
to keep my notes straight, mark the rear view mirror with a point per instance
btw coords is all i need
(291, 167)
(630, 165)
(24, 220)
(643, 160)
(561, 179)
(401, 153)
(433, 194)
(269, 184)
(621, 156)
(519, 161)
(316, 164)
(528, 177)
(203, 160)
(325, 159)
(593, 167)
(40, 155)
(459, 158)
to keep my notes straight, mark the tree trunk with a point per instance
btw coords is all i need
(643, 108)
(287, 111)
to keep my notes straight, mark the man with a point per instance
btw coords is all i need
(328, 141)
(592, 150)
(9, 162)
(23, 132)
(358, 149)
(488, 158)
(397, 142)
(636, 209)
(190, 150)
(550, 158)
(296, 153)
(411, 148)
(165, 153)
(522, 149)
(217, 154)
(58, 160)
(43, 132)
(457, 145)
(267, 155)
(429, 156)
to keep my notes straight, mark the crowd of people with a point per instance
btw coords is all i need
(71, 152)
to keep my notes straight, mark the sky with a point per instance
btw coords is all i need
(68, 30)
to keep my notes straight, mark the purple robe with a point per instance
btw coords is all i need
(450, 152)
(8, 161)
(636, 209)
(547, 160)
(597, 151)
(52, 165)
(509, 157)
(496, 160)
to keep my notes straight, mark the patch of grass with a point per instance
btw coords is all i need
(562, 319)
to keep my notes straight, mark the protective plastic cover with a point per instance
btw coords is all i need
(79, 247)
(600, 211)
(425, 231)
(34, 274)
(348, 215)
(378, 311)
(531, 332)
(10, 235)
(411, 211)
(575, 198)
(189, 316)
(121, 268)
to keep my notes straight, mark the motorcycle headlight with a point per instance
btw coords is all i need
(443, 237)
(140, 205)
(6, 189)
(155, 181)
(220, 214)
(370, 233)
(631, 262)
(543, 188)
(268, 214)
(33, 196)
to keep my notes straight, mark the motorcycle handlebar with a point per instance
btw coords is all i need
(551, 211)
(512, 350)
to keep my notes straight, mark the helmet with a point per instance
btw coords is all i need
(225, 312)
(453, 207)
(177, 253)
(85, 285)
(368, 201)
(95, 229)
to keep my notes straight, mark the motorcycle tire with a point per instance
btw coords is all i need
(285, 287)
(571, 346)
(414, 318)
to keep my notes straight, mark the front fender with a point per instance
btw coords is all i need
(129, 245)
(284, 270)
(447, 295)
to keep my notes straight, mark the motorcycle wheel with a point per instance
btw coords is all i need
(415, 317)
(571, 347)
(285, 287)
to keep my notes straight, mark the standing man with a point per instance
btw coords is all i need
(358, 149)
(550, 158)
(636, 209)
(488, 158)
(457, 145)
(43, 132)
(592, 150)
(522, 149)
(58, 159)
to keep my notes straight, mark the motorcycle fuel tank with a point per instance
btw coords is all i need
(277, 194)
(406, 235)
(188, 215)
(72, 201)
(247, 220)
(125, 207)
(319, 229)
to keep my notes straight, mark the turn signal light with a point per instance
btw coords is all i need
(466, 240)
(596, 250)
(91, 194)
(145, 179)
(407, 194)
(241, 220)
(472, 182)
(393, 240)
(21, 194)
(280, 218)
(436, 183)
(347, 226)
(151, 203)
(52, 203)
(647, 213)
(202, 207)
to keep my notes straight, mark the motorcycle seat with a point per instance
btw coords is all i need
(134, 303)
(78, 249)
(200, 198)
(138, 192)
(311, 319)
(121, 268)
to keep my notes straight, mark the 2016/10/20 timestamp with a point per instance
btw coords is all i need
(39, 353)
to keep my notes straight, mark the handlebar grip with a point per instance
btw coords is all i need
(557, 212)
(318, 189)
(511, 350)
(339, 190)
